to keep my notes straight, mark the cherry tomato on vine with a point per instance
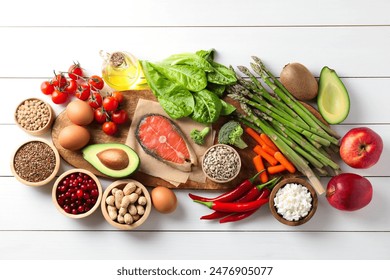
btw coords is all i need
(75, 71)
(83, 92)
(110, 103)
(96, 82)
(100, 115)
(59, 97)
(95, 100)
(71, 86)
(109, 128)
(119, 117)
(118, 96)
(59, 80)
(47, 87)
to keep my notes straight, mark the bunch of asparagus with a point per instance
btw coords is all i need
(301, 137)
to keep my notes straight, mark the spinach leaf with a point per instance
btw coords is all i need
(191, 78)
(217, 89)
(221, 75)
(207, 107)
(190, 59)
(227, 108)
(208, 55)
(176, 101)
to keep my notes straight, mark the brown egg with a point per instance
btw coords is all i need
(163, 199)
(79, 112)
(74, 137)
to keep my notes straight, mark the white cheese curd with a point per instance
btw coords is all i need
(293, 201)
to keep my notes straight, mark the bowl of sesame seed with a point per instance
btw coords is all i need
(34, 116)
(35, 163)
(221, 163)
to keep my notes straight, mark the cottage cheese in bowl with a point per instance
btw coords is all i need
(293, 202)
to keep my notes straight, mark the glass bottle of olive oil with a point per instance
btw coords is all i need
(122, 71)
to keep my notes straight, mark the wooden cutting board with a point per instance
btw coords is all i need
(131, 98)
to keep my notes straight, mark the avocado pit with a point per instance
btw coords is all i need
(115, 159)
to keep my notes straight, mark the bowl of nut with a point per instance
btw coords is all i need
(34, 116)
(293, 201)
(35, 163)
(221, 163)
(126, 204)
(77, 193)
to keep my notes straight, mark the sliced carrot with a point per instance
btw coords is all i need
(269, 150)
(285, 162)
(268, 141)
(276, 169)
(252, 133)
(259, 165)
(270, 159)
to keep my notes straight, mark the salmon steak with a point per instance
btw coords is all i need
(161, 138)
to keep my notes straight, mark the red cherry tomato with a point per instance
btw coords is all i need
(110, 103)
(83, 92)
(71, 87)
(96, 82)
(118, 96)
(59, 80)
(95, 100)
(75, 71)
(47, 87)
(109, 128)
(100, 115)
(119, 117)
(59, 97)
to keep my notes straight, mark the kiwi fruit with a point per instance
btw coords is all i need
(299, 81)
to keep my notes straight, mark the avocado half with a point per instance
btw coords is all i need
(333, 98)
(112, 159)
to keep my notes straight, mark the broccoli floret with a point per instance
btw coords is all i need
(199, 136)
(230, 133)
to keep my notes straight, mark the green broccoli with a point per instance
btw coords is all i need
(230, 133)
(199, 136)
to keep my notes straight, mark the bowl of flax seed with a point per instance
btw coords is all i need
(35, 163)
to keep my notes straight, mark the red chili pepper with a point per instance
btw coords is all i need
(230, 195)
(253, 194)
(233, 206)
(240, 216)
(214, 215)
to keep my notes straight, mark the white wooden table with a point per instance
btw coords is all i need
(352, 37)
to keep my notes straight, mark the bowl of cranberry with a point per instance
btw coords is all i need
(77, 193)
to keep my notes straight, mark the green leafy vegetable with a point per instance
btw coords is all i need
(190, 59)
(198, 136)
(207, 107)
(227, 108)
(208, 55)
(217, 89)
(230, 133)
(177, 101)
(221, 75)
(189, 77)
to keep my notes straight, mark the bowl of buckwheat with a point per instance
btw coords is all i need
(34, 116)
(221, 163)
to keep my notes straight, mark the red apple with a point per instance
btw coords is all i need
(349, 192)
(361, 147)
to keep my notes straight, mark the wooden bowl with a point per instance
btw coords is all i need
(49, 178)
(302, 220)
(209, 176)
(120, 184)
(42, 130)
(98, 199)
